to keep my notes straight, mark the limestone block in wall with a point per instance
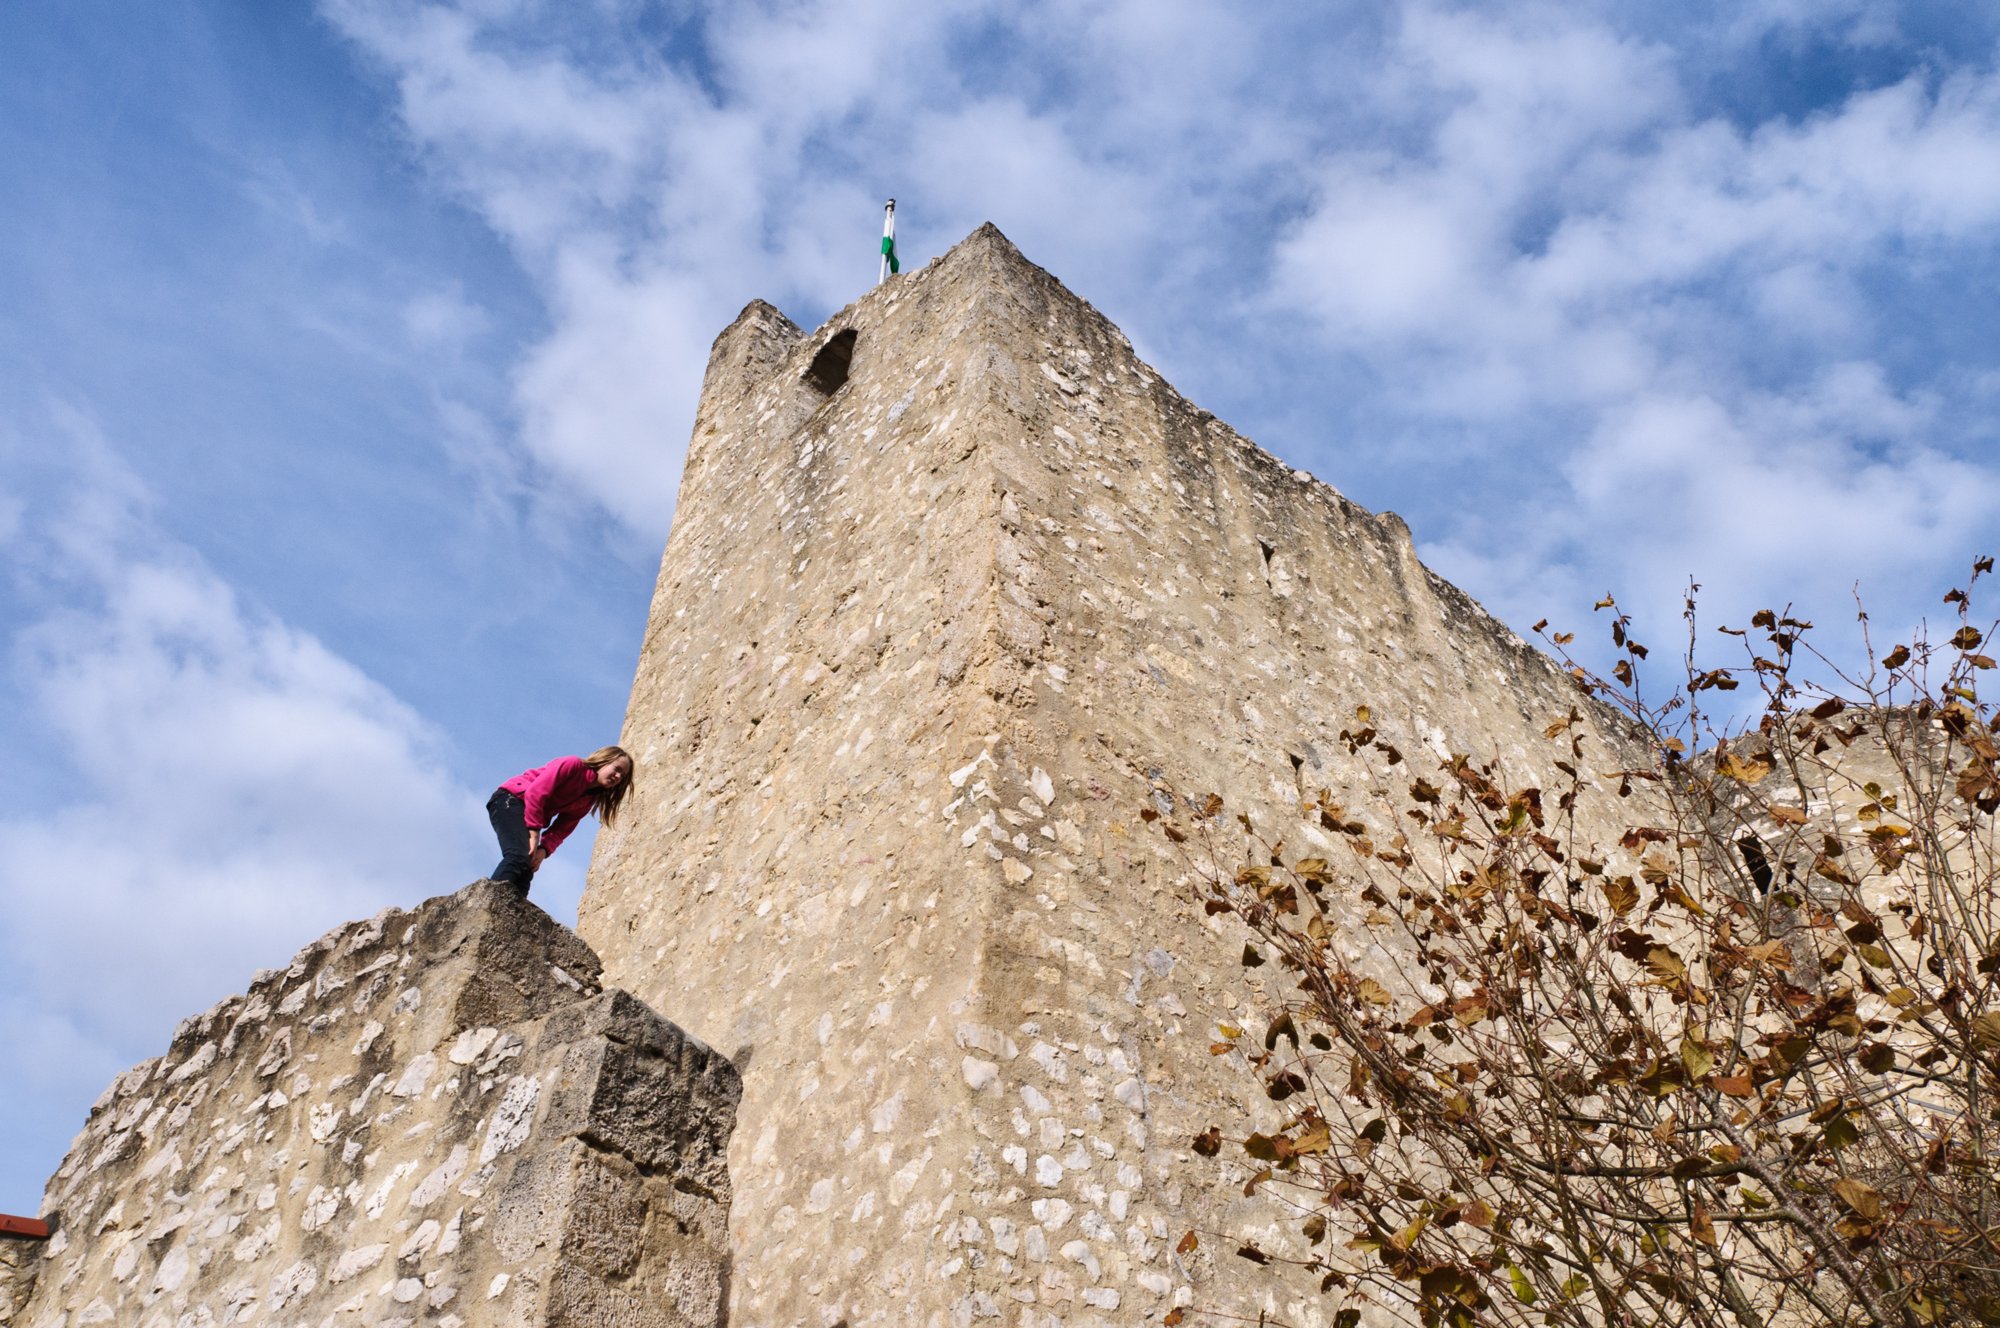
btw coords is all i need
(436, 1117)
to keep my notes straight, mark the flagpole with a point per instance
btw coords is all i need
(888, 242)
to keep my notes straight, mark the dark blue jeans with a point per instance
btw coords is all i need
(510, 822)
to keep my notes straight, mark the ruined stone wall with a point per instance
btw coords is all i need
(920, 651)
(437, 1117)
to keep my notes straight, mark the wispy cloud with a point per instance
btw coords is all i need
(201, 788)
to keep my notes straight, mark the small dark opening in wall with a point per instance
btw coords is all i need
(828, 371)
(1759, 865)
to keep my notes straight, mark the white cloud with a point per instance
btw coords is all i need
(1770, 499)
(1860, 23)
(209, 787)
(272, 187)
(1897, 164)
(1808, 491)
(607, 398)
(801, 68)
(1656, 325)
(539, 145)
(640, 196)
(1647, 216)
(444, 319)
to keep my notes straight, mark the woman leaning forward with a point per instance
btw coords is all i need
(534, 811)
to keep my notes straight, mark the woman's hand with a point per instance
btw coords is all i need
(536, 857)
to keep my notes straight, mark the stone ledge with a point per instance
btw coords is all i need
(434, 1115)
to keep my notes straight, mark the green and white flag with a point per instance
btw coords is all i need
(889, 263)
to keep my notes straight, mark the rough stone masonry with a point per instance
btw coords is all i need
(956, 586)
(20, 1259)
(437, 1117)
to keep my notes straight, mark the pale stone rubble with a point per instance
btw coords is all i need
(438, 1116)
(922, 648)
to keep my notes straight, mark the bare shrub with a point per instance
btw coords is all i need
(1739, 1066)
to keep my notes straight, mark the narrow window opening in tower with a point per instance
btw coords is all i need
(1268, 550)
(828, 370)
(1298, 771)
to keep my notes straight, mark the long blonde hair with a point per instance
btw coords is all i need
(608, 798)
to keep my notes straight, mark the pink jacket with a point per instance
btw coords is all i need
(557, 796)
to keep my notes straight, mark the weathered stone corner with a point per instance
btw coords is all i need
(434, 1116)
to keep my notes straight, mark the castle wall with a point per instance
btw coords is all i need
(438, 1116)
(919, 654)
(1179, 613)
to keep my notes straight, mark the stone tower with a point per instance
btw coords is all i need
(956, 585)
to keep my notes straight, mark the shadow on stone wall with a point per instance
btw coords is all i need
(436, 1116)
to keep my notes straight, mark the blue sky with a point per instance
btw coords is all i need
(347, 356)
